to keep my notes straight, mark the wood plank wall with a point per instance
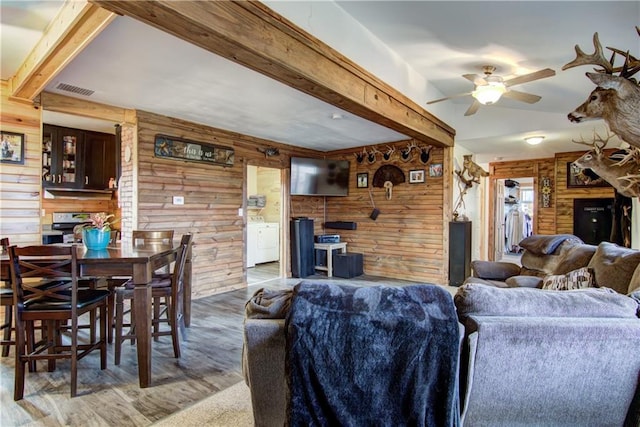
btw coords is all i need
(565, 196)
(212, 196)
(558, 218)
(406, 241)
(20, 185)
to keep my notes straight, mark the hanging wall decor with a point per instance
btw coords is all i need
(12, 149)
(170, 147)
(546, 192)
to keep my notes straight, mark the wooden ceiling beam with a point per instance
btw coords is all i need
(83, 108)
(253, 35)
(77, 23)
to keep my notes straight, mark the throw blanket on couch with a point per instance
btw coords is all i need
(367, 356)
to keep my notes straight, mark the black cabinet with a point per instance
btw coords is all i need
(75, 158)
(459, 252)
(62, 154)
(302, 256)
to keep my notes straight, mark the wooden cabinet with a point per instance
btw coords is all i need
(62, 151)
(75, 158)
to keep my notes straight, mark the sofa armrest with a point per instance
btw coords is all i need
(551, 371)
(263, 365)
(494, 270)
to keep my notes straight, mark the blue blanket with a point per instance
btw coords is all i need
(372, 356)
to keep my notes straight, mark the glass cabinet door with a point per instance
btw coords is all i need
(69, 149)
(62, 150)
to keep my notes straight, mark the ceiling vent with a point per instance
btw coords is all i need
(75, 89)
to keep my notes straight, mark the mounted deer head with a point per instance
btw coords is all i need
(425, 153)
(360, 156)
(621, 177)
(371, 155)
(387, 154)
(617, 98)
(405, 154)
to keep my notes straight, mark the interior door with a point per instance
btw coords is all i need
(498, 244)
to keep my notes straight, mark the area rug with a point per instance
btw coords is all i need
(230, 407)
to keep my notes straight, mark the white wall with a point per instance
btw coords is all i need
(474, 206)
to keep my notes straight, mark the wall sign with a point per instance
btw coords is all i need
(170, 147)
(546, 192)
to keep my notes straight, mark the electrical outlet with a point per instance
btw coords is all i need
(178, 200)
(239, 211)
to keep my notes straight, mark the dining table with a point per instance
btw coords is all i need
(137, 261)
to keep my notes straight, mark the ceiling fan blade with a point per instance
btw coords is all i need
(536, 75)
(522, 96)
(449, 97)
(475, 79)
(473, 108)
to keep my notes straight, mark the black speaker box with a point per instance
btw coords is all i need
(341, 225)
(302, 262)
(347, 265)
(459, 252)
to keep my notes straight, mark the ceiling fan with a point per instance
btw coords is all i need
(490, 88)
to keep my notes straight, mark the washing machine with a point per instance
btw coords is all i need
(263, 241)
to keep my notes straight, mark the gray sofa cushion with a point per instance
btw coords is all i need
(483, 300)
(524, 282)
(614, 266)
(491, 270)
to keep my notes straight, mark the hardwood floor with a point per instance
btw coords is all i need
(210, 362)
(263, 272)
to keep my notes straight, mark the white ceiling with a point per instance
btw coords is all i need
(420, 47)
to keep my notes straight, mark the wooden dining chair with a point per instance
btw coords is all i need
(6, 301)
(152, 236)
(54, 308)
(155, 236)
(171, 290)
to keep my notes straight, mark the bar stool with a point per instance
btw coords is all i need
(170, 288)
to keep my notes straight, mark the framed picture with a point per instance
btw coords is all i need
(416, 176)
(435, 169)
(580, 178)
(12, 148)
(362, 180)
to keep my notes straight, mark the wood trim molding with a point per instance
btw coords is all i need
(79, 107)
(253, 35)
(77, 23)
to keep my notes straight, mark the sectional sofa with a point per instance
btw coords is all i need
(528, 356)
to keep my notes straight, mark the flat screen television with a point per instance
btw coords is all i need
(319, 177)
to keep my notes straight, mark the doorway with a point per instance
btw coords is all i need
(264, 242)
(514, 216)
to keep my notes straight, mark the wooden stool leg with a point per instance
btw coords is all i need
(19, 369)
(118, 332)
(8, 326)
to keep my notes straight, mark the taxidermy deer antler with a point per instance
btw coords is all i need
(624, 178)
(425, 153)
(616, 99)
(405, 154)
(387, 154)
(371, 155)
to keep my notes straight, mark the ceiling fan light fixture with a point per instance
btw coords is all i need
(489, 93)
(534, 140)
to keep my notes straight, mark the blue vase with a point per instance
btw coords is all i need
(95, 239)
